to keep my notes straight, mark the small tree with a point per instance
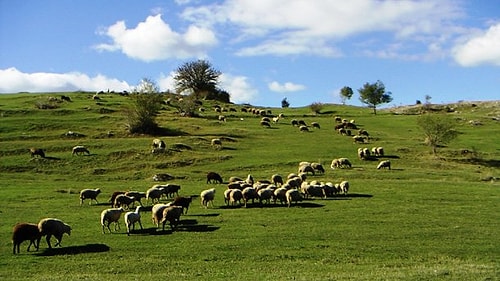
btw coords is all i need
(199, 78)
(146, 104)
(438, 130)
(374, 94)
(316, 107)
(346, 93)
(285, 103)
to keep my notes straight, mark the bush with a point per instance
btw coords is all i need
(142, 116)
(316, 107)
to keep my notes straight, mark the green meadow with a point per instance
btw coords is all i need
(428, 218)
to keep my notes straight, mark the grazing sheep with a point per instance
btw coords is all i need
(123, 200)
(363, 132)
(311, 190)
(384, 164)
(113, 197)
(216, 143)
(295, 122)
(280, 194)
(131, 218)
(37, 151)
(265, 124)
(183, 202)
(207, 196)
(341, 163)
(23, 232)
(249, 193)
(342, 131)
(338, 119)
(358, 139)
(276, 119)
(155, 193)
(265, 194)
(227, 192)
(303, 128)
(172, 214)
(249, 179)
(157, 213)
(56, 227)
(163, 177)
(222, 118)
(79, 150)
(109, 216)
(235, 196)
(158, 146)
(344, 187)
(315, 125)
(378, 151)
(306, 169)
(89, 194)
(265, 119)
(171, 189)
(137, 195)
(318, 168)
(293, 195)
(213, 177)
(277, 180)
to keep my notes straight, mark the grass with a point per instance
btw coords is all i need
(427, 219)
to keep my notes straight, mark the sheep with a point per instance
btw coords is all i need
(378, 151)
(249, 179)
(37, 152)
(158, 145)
(265, 119)
(227, 193)
(216, 143)
(137, 195)
(79, 150)
(277, 179)
(222, 118)
(315, 125)
(341, 163)
(276, 119)
(338, 119)
(344, 187)
(303, 128)
(171, 214)
(213, 177)
(123, 200)
(109, 216)
(358, 139)
(265, 194)
(235, 179)
(131, 218)
(183, 202)
(361, 153)
(280, 194)
(154, 193)
(207, 196)
(89, 194)
(235, 196)
(265, 124)
(302, 123)
(23, 232)
(249, 193)
(329, 189)
(295, 122)
(157, 213)
(306, 169)
(235, 185)
(342, 131)
(113, 197)
(384, 164)
(56, 227)
(318, 168)
(171, 189)
(363, 132)
(292, 195)
(313, 190)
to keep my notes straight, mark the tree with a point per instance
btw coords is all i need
(346, 93)
(374, 94)
(199, 78)
(438, 130)
(285, 103)
(145, 107)
(316, 107)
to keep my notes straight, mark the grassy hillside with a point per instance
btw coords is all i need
(429, 218)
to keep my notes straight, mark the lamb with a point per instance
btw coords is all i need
(37, 151)
(23, 232)
(344, 187)
(183, 202)
(207, 196)
(216, 143)
(171, 214)
(154, 193)
(213, 177)
(79, 150)
(131, 218)
(384, 164)
(89, 194)
(56, 227)
(123, 200)
(109, 216)
(293, 195)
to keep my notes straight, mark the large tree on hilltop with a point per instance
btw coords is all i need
(374, 94)
(199, 78)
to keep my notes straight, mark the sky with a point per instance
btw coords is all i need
(266, 50)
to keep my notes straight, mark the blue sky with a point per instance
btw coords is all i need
(266, 50)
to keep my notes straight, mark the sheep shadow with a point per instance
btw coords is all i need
(75, 250)
(228, 148)
(52, 158)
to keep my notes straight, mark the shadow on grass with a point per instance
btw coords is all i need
(492, 163)
(52, 158)
(75, 250)
(189, 225)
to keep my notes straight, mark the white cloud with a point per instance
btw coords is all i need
(239, 88)
(481, 49)
(286, 87)
(14, 81)
(167, 82)
(154, 40)
(284, 27)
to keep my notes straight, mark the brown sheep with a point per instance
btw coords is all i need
(213, 177)
(37, 151)
(23, 232)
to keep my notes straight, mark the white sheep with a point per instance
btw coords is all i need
(157, 213)
(344, 187)
(109, 216)
(265, 194)
(25, 231)
(56, 227)
(277, 179)
(227, 193)
(89, 194)
(280, 194)
(216, 143)
(235, 196)
(80, 149)
(293, 195)
(207, 196)
(384, 164)
(306, 169)
(249, 193)
(249, 179)
(171, 214)
(131, 218)
(318, 167)
(315, 125)
(158, 146)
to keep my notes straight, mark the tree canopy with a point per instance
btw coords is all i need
(346, 93)
(438, 129)
(374, 94)
(200, 79)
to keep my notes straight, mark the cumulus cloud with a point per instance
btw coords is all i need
(14, 81)
(481, 49)
(286, 87)
(153, 40)
(238, 87)
(273, 27)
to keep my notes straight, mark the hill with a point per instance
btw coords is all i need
(428, 218)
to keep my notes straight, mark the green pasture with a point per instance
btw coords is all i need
(429, 218)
